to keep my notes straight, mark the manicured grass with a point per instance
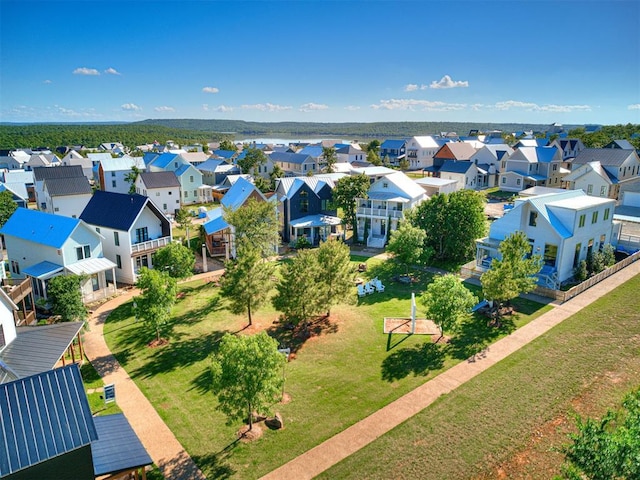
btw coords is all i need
(491, 425)
(345, 371)
(93, 381)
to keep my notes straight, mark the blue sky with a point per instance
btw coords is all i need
(536, 61)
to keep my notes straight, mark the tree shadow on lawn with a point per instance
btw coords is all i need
(180, 354)
(213, 465)
(474, 334)
(294, 336)
(214, 304)
(416, 360)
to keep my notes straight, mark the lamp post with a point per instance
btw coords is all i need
(204, 258)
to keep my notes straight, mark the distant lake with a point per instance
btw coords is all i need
(281, 141)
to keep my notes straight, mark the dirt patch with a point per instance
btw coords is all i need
(286, 398)
(247, 436)
(157, 343)
(405, 325)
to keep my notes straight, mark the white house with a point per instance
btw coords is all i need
(41, 246)
(387, 200)
(162, 188)
(112, 173)
(531, 166)
(40, 174)
(74, 158)
(622, 166)
(190, 177)
(591, 178)
(421, 149)
(561, 227)
(133, 229)
(66, 196)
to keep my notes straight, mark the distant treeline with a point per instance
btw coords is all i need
(90, 136)
(351, 130)
(188, 131)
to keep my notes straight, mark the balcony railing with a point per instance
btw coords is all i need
(17, 289)
(150, 245)
(379, 212)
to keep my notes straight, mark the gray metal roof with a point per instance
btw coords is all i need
(42, 173)
(38, 349)
(58, 187)
(42, 417)
(606, 156)
(118, 448)
(159, 179)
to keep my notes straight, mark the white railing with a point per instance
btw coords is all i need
(379, 212)
(150, 245)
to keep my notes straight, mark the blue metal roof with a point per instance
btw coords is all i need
(180, 171)
(118, 448)
(43, 270)
(215, 221)
(42, 417)
(149, 157)
(40, 227)
(163, 160)
(546, 154)
(393, 144)
(313, 150)
(113, 210)
(210, 165)
(455, 167)
(238, 193)
(225, 153)
(297, 158)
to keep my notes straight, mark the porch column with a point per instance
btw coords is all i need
(80, 348)
(113, 276)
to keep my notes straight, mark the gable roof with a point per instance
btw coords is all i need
(40, 227)
(461, 150)
(290, 185)
(43, 173)
(113, 210)
(226, 154)
(428, 141)
(58, 187)
(608, 157)
(296, 158)
(451, 166)
(238, 193)
(215, 221)
(163, 160)
(312, 150)
(17, 176)
(211, 165)
(583, 169)
(159, 179)
(121, 163)
(404, 184)
(42, 417)
(393, 144)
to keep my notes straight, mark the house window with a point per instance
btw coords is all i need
(576, 255)
(83, 252)
(113, 183)
(594, 217)
(170, 192)
(589, 189)
(385, 185)
(606, 214)
(195, 193)
(164, 206)
(603, 239)
(533, 217)
(304, 202)
(550, 254)
(504, 180)
(43, 206)
(157, 194)
(175, 164)
(95, 284)
(119, 261)
(142, 261)
(518, 181)
(113, 174)
(324, 204)
(142, 235)
(582, 220)
(603, 191)
(116, 238)
(555, 167)
(191, 178)
(186, 194)
(98, 229)
(15, 267)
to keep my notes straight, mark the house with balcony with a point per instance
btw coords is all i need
(381, 211)
(622, 166)
(529, 167)
(305, 210)
(162, 188)
(41, 246)
(219, 238)
(394, 150)
(563, 228)
(421, 149)
(133, 229)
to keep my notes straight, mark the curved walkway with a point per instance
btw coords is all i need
(349, 441)
(161, 444)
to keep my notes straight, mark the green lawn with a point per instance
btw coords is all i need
(93, 383)
(345, 371)
(483, 427)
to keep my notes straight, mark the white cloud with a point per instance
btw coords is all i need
(635, 106)
(47, 82)
(413, 105)
(86, 71)
(411, 87)
(210, 90)
(223, 108)
(130, 107)
(164, 108)
(352, 108)
(266, 107)
(112, 71)
(447, 82)
(311, 107)
(534, 107)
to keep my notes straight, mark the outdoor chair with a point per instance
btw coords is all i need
(368, 288)
(379, 286)
(361, 292)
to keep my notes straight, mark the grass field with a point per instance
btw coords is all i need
(344, 372)
(509, 421)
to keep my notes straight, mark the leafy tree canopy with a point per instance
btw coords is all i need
(252, 159)
(344, 195)
(330, 157)
(336, 273)
(175, 259)
(407, 244)
(255, 225)
(66, 298)
(7, 206)
(247, 375)
(158, 296)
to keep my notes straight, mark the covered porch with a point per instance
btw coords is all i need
(96, 286)
(205, 194)
(314, 228)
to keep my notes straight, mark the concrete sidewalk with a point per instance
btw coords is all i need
(320, 458)
(161, 444)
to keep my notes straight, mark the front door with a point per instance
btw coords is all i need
(383, 228)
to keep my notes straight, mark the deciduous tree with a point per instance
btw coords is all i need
(227, 144)
(344, 195)
(252, 159)
(66, 297)
(184, 219)
(447, 301)
(330, 158)
(336, 273)
(175, 259)
(407, 244)
(131, 178)
(514, 273)
(247, 375)
(255, 225)
(246, 282)
(7, 206)
(158, 296)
